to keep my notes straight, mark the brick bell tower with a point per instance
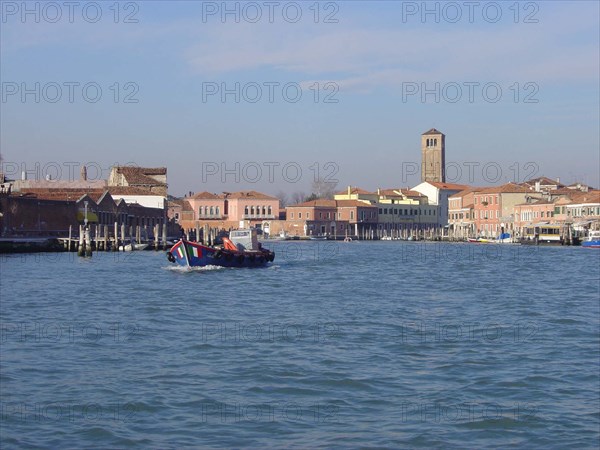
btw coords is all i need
(433, 156)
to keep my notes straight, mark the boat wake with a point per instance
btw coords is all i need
(186, 269)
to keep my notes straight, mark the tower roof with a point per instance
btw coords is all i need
(432, 131)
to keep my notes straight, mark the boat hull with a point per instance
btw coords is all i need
(591, 244)
(192, 254)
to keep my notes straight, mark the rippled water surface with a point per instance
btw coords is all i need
(381, 344)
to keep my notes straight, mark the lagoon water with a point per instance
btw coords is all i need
(337, 345)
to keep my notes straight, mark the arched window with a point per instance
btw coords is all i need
(434, 142)
(264, 210)
(212, 210)
(270, 211)
(218, 211)
(200, 211)
(252, 209)
(246, 210)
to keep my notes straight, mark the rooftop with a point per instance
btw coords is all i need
(432, 131)
(448, 186)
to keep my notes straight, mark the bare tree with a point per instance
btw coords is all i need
(298, 197)
(283, 199)
(323, 189)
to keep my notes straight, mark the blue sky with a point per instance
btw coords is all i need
(373, 54)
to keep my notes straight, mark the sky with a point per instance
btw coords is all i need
(272, 95)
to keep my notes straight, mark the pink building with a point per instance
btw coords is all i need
(229, 209)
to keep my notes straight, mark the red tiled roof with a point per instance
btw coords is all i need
(353, 204)
(355, 190)
(411, 193)
(543, 181)
(466, 192)
(141, 175)
(65, 194)
(129, 190)
(448, 186)
(247, 194)
(585, 197)
(508, 188)
(205, 196)
(318, 203)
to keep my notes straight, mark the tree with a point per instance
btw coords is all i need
(298, 197)
(323, 189)
(283, 199)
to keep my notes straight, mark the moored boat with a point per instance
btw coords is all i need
(592, 241)
(542, 234)
(132, 246)
(241, 249)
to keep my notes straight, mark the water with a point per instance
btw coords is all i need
(381, 344)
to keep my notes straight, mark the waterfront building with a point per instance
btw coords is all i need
(50, 212)
(400, 212)
(581, 210)
(533, 213)
(461, 214)
(494, 208)
(437, 194)
(335, 218)
(227, 210)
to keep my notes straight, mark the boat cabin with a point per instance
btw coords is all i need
(245, 239)
(543, 233)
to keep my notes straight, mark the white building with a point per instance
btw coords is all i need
(437, 193)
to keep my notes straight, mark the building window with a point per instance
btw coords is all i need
(351, 215)
(270, 211)
(291, 215)
(380, 210)
(218, 211)
(307, 216)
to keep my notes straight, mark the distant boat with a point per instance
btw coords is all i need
(318, 238)
(479, 240)
(542, 234)
(241, 249)
(132, 246)
(592, 241)
(504, 238)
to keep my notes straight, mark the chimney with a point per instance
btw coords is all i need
(23, 175)
(378, 191)
(537, 186)
(83, 173)
(558, 180)
(349, 190)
